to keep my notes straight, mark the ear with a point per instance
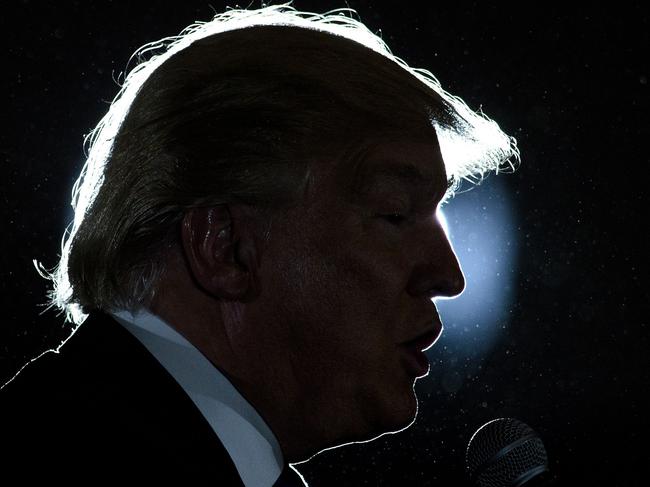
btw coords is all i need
(213, 249)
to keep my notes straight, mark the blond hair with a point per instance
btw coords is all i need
(229, 111)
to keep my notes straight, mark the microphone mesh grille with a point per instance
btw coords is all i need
(500, 436)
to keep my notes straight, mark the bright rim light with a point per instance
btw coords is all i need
(481, 226)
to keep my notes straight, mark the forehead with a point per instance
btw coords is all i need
(400, 159)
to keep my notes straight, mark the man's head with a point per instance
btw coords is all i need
(271, 191)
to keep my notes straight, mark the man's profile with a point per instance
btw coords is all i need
(253, 258)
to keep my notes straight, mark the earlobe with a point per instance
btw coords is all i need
(210, 248)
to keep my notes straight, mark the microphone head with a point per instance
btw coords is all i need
(505, 452)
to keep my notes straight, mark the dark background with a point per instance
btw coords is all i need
(570, 83)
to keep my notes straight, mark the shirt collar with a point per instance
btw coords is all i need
(249, 441)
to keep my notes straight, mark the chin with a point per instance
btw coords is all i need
(399, 413)
(407, 412)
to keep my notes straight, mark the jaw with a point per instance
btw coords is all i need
(378, 412)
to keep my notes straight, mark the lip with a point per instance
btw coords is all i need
(426, 339)
(415, 360)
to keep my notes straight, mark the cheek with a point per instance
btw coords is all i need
(337, 282)
(352, 281)
(373, 264)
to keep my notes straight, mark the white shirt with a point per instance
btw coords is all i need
(251, 444)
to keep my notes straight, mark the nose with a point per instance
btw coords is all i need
(436, 272)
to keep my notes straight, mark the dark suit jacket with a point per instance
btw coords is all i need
(104, 409)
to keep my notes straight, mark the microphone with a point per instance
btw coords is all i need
(505, 452)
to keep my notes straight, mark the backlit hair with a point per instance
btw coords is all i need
(231, 110)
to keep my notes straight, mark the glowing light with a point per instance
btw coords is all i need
(481, 226)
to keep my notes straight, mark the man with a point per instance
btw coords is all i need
(254, 256)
